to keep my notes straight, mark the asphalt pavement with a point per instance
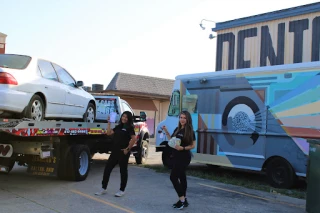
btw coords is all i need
(147, 192)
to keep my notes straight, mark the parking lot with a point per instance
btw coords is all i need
(147, 191)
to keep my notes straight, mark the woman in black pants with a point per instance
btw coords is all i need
(124, 139)
(181, 156)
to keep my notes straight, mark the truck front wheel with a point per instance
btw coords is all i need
(142, 156)
(167, 160)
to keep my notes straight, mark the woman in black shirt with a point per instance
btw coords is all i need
(181, 156)
(124, 139)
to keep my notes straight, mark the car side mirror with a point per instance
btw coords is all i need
(143, 116)
(79, 84)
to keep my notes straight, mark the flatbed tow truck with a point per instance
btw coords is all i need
(60, 148)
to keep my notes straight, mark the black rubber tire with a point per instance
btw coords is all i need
(75, 166)
(140, 157)
(167, 160)
(64, 163)
(280, 173)
(85, 116)
(28, 110)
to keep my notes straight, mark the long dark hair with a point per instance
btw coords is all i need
(130, 119)
(188, 133)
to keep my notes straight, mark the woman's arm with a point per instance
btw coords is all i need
(166, 132)
(131, 143)
(109, 130)
(189, 147)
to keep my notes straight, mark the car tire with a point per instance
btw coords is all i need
(280, 173)
(35, 109)
(90, 114)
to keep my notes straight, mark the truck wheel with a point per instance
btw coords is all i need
(142, 156)
(7, 162)
(280, 173)
(90, 114)
(80, 162)
(167, 160)
(35, 109)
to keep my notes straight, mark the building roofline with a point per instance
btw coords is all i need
(130, 93)
(3, 35)
(279, 14)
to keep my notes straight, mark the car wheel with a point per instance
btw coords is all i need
(90, 114)
(35, 109)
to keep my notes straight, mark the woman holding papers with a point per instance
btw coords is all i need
(181, 156)
(124, 139)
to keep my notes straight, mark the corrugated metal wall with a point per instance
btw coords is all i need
(283, 41)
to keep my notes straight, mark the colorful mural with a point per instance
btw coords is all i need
(244, 118)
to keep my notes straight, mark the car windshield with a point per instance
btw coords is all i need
(14, 61)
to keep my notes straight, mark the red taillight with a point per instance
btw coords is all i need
(6, 78)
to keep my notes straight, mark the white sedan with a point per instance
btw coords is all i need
(39, 89)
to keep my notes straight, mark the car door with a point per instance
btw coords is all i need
(76, 103)
(51, 87)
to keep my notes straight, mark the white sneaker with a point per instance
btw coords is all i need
(101, 192)
(119, 193)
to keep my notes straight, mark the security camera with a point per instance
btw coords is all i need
(211, 36)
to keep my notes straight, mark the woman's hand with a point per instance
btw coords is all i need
(165, 129)
(125, 151)
(179, 148)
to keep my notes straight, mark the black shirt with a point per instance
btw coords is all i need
(180, 135)
(122, 136)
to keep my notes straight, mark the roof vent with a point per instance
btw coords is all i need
(97, 87)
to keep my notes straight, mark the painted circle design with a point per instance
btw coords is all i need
(242, 118)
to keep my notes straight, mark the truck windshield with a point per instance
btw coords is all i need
(188, 103)
(174, 107)
(14, 61)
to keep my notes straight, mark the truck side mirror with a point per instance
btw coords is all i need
(143, 116)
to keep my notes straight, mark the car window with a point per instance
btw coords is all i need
(126, 107)
(47, 70)
(14, 61)
(64, 76)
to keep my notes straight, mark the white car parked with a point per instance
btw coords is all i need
(39, 89)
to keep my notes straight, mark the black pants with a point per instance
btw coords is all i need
(116, 157)
(178, 175)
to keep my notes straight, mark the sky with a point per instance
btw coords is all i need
(95, 39)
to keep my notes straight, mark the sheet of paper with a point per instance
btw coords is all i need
(113, 116)
(161, 135)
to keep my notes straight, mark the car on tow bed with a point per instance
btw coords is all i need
(39, 89)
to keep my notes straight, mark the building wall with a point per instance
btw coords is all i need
(283, 41)
(2, 43)
(154, 117)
